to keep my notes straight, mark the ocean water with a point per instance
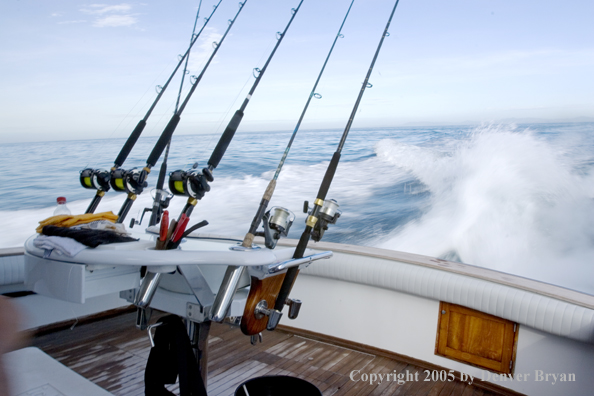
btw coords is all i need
(515, 198)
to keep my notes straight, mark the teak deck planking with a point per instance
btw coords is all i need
(112, 353)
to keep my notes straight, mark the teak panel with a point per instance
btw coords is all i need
(260, 289)
(476, 338)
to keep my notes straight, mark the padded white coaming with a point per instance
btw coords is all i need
(12, 270)
(524, 307)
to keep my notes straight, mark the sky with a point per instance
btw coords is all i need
(76, 70)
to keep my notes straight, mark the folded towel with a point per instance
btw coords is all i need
(60, 245)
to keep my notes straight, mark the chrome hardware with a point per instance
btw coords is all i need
(295, 262)
(294, 307)
(274, 315)
(276, 222)
(330, 208)
(328, 214)
(226, 292)
(264, 271)
(197, 313)
(256, 338)
(150, 335)
(280, 218)
(143, 316)
(240, 248)
(148, 287)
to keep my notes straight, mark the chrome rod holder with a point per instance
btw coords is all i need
(224, 297)
(143, 316)
(148, 287)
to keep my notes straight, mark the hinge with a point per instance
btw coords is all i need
(510, 364)
(515, 327)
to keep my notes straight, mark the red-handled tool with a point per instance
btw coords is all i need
(181, 227)
(164, 226)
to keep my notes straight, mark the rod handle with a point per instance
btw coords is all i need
(163, 140)
(292, 272)
(327, 181)
(225, 139)
(125, 151)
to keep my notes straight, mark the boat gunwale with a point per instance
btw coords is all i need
(546, 289)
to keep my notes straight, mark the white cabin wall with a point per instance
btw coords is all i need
(407, 325)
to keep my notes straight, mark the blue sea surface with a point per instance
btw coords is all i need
(516, 198)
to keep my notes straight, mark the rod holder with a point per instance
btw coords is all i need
(226, 292)
(143, 316)
(148, 287)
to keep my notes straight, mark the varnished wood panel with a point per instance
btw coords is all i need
(476, 338)
(260, 289)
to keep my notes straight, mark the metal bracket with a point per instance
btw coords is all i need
(274, 315)
(256, 338)
(197, 283)
(197, 313)
(128, 295)
(294, 307)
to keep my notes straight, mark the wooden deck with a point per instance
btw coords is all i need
(112, 353)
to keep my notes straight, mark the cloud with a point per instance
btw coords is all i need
(72, 22)
(111, 15)
(115, 21)
(101, 9)
(203, 49)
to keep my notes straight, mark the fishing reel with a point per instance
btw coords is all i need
(95, 179)
(276, 225)
(191, 183)
(130, 181)
(161, 200)
(329, 214)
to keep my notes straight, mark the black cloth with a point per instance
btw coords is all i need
(171, 356)
(91, 238)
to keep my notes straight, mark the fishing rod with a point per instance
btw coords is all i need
(134, 181)
(279, 223)
(162, 197)
(323, 213)
(193, 183)
(100, 179)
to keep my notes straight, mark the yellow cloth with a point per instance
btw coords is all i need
(71, 221)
